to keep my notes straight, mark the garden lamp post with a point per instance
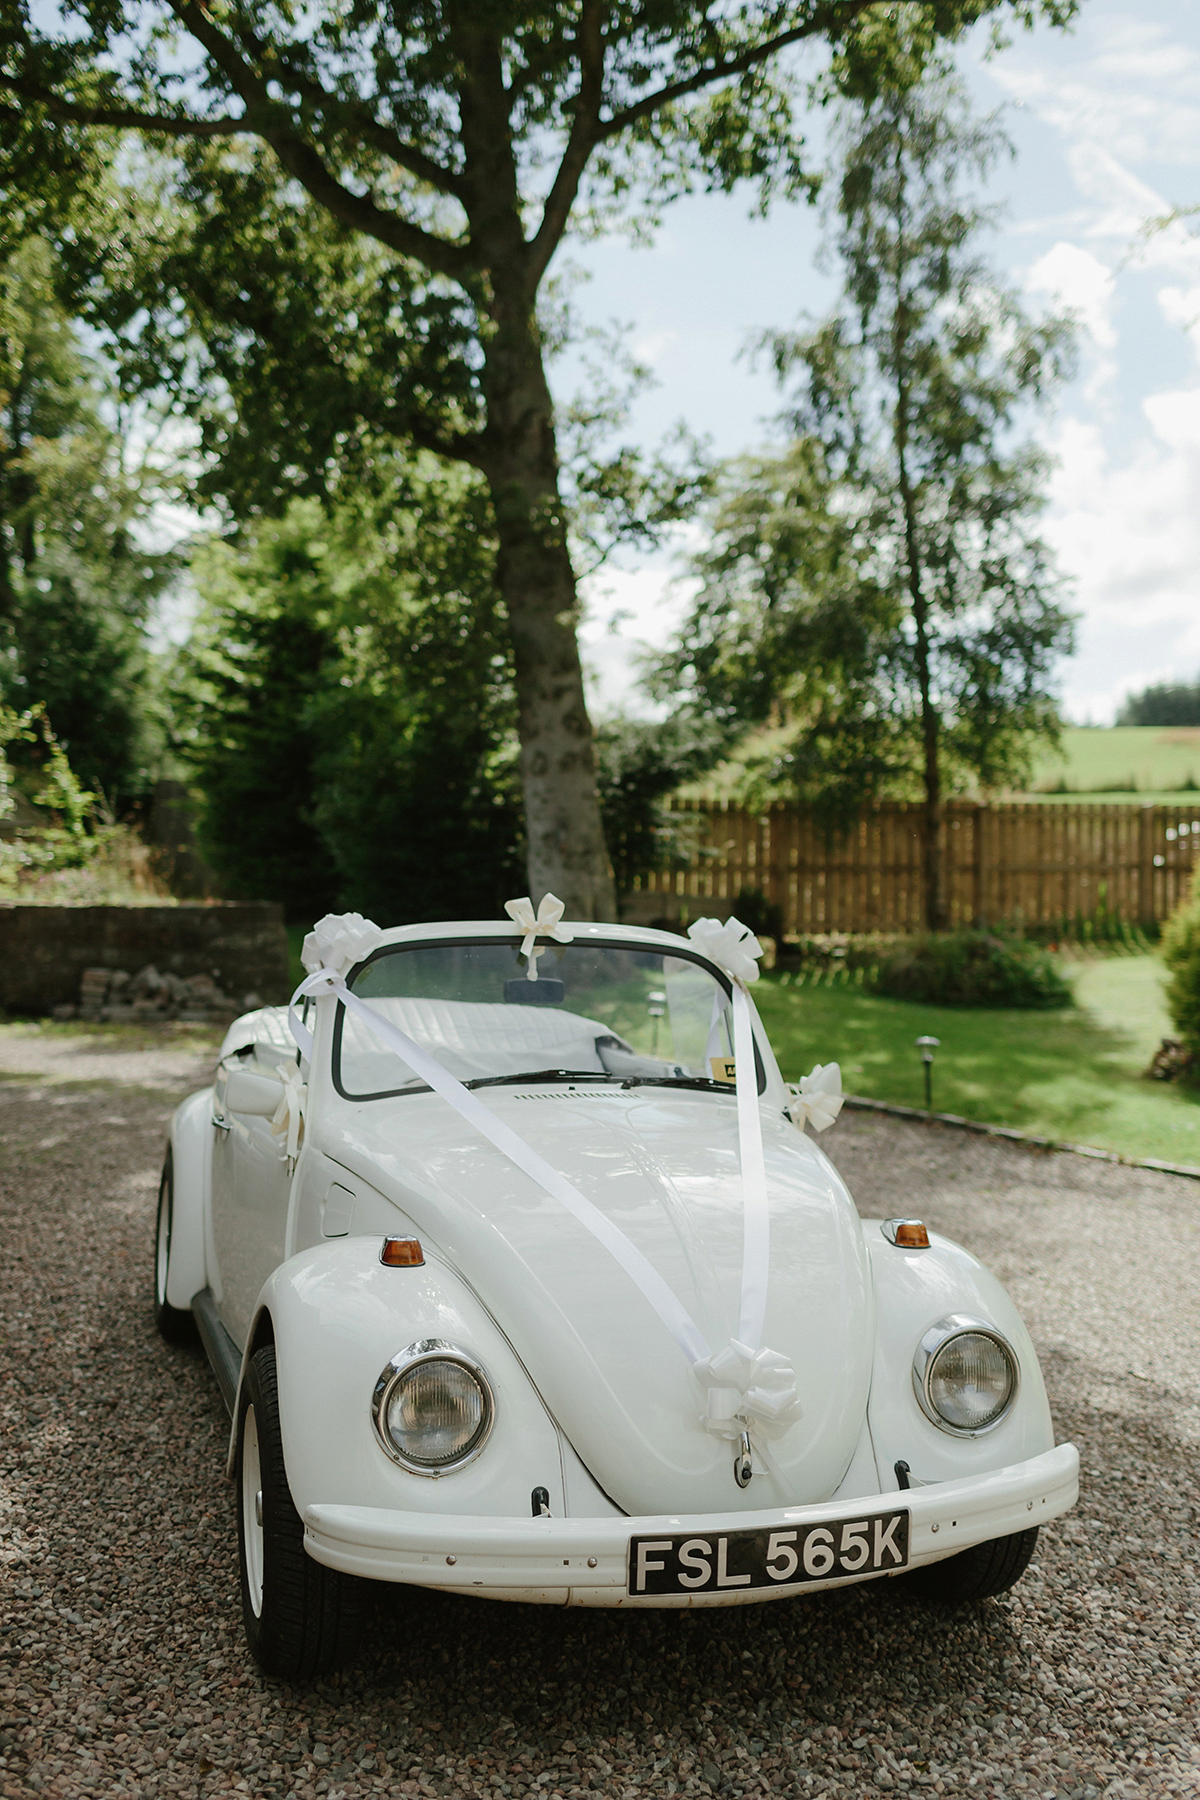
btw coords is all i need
(657, 1006)
(927, 1046)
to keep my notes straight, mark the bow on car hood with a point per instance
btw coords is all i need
(664, 1166)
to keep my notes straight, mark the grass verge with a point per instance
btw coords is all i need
(1074, 1074)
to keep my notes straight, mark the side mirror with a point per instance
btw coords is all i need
(258, 1095)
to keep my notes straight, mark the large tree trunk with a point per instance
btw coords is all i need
(565, 836)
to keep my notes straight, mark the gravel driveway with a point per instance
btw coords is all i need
(123, 1669)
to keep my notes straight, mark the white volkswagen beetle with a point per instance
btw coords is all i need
(521, 1278)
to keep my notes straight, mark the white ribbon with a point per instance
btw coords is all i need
(543, 923)
(818, 1099)
(748, 1388)
(289, 1114)
(338, 941)
(733, 946)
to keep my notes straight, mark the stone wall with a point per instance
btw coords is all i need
(44, 950)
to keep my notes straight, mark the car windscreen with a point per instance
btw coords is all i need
(613, 1012)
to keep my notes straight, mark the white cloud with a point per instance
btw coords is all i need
(1134, 90)
(629, 612)
(1074, 278)
(1127, 529)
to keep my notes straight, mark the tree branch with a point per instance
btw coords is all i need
(455, 446)
(386, 140)
(734, 65)
(121, 117)
(583, 137)
(274, 125)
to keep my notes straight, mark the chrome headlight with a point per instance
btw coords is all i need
(433, 1408)
(965, 1375)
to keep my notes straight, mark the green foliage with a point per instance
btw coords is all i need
(61, 847)
(463, 143)
(76, 587)
(638, 763)
(1181, 954)
(1167, 703)
(971, 968)
(763, 917)
(348, 708)
(880, 589)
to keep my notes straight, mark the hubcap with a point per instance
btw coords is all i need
(252, 1528)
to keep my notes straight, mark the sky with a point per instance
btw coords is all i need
(1106, 124)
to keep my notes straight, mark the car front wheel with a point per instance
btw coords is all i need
(302, 1620)
(979, 1573)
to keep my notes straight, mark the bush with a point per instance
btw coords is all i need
(761, 916)
(1181, 953)
(971, 968)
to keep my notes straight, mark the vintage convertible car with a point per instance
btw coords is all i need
(522, 1279)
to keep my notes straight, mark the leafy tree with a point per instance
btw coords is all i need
(1166, 703)
(76, 586)
(347, 707)
(639, 762)
(884, 585)
(463, 138)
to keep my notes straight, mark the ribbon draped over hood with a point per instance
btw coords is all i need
(544, 923)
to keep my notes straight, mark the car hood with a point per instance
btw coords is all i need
(663, 1165)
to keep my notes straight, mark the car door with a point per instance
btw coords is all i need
(251, 1192)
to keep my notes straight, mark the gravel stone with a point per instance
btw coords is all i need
(122, 1665)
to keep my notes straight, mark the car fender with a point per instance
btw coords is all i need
(914, 1289)
(337, 1318)
(190, 1142)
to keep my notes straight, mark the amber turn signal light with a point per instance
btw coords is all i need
(402, 1253)
(907, 1234)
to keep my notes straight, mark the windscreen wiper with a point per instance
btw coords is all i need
(704, 1083)
(541, 1075)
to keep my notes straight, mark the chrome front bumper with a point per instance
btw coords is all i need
(583, 1562)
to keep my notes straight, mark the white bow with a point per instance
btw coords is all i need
(732, 946)
(289, 1114)
(818, 1099)
(338, 941)
(748, 1390)
(543, 923)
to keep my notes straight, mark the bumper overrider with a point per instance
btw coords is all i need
(615, 1561)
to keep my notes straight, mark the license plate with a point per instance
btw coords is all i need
(779, 1556)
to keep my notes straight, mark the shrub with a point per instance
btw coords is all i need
(1181, 953)
(971, 968)
(761, 916)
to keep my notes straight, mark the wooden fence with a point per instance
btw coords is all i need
(1041, 865)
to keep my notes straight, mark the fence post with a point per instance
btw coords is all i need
(980, 870)
(1146, 865)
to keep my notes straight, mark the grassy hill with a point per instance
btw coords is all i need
(1122, 762)
(1100, 763)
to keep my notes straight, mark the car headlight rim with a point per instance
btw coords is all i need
(940, 1338)
(400, 1370)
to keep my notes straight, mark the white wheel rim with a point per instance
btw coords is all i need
(162, 1247)
(252, 1531)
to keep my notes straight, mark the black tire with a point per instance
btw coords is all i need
(176, 1324)
(302, 1620)
(979, 1573)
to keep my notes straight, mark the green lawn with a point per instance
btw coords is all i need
(1074, 1075)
